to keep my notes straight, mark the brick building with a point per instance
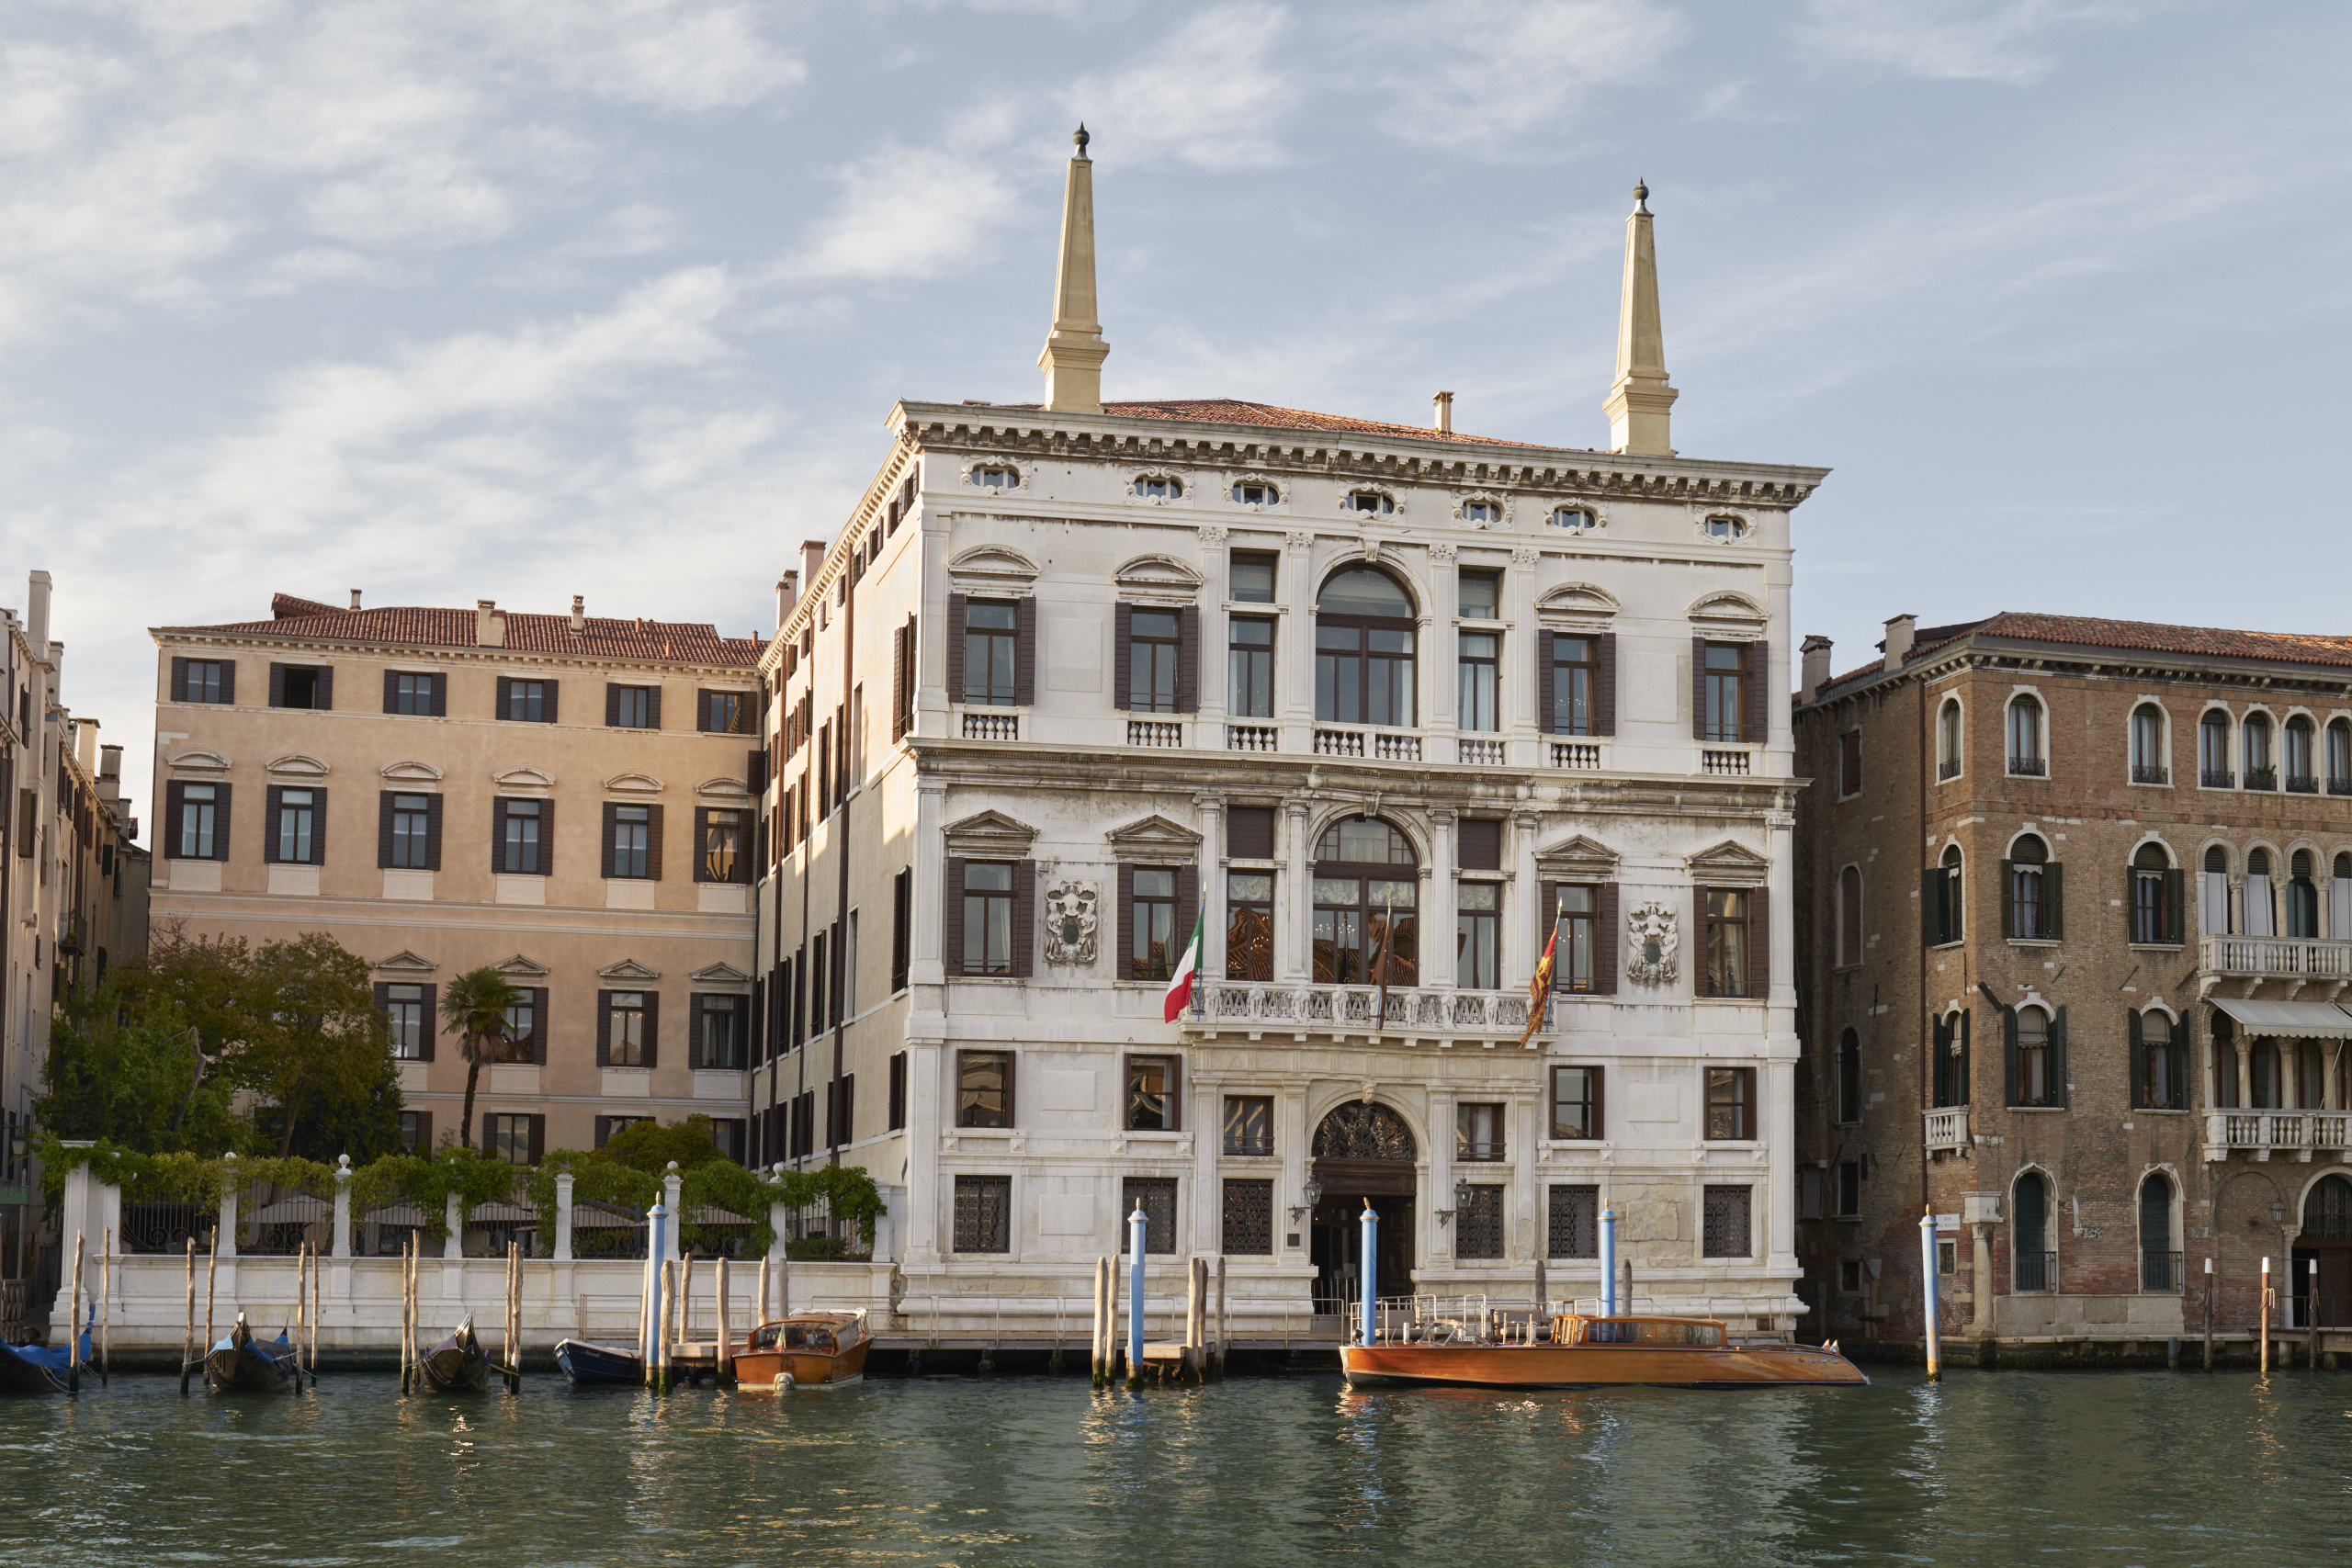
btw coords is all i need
(2074, 911)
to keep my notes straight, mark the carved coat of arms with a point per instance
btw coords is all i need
(1070, 920)
(1653, 947)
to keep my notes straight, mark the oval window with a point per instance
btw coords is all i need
(1727, 527)
(1159, 487)
(996, 475)
(1575, 517)
(1370, 500)
(1481, 512)
(1255, 492)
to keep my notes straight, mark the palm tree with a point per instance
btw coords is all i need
(474, 1009)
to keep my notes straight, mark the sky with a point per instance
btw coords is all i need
(514, 299)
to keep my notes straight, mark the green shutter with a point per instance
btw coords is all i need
(1935, 907)
(2053, 901)
(2058, 1057)
(1940, 1078)
(2009, 1051)
(2008, 902)
(2139, 1056)
(2176, 906)
(1965, 1075)
(2180, 1061)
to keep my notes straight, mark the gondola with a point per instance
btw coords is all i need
(459, 1364)
(37, 1369)
(242, 1364)
(598, 1364)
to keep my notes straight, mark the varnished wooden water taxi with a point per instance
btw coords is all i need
(1595, 1352)
(815, 1349)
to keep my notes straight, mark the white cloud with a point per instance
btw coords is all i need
(908, 212)
(1207, 94)
(1467, 72)
(1981, 41)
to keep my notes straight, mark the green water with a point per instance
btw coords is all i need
(1993, 1468)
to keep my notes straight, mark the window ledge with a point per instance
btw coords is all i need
(2035, 941)
(2158, 946)
(2038, 1109)
(989, 979)
(1732, 1001)
(2164, 1111)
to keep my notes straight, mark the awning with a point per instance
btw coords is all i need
(2290, 1021)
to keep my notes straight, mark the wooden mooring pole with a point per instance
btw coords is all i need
(1224, 1318)
(408, 1309)
(1195, 1282)
(2209, 1315)
(1096, 1348)
(1927, 1303)
(2262, 1328)
(211, 1277)
(73, 1325)
(514, 1317)
(723, 1363)
(106, 1307)
(686, 1307)
(760, 1300)
(187, 1338)
(301, 1299)
(314, 1317)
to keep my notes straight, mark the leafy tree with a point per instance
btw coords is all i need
(124, 1065)
(474, 1008)
(315, 1038)
(651, 1147)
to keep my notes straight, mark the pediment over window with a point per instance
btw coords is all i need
(1578, 860)
(993, 564)
(411, 770)
(634, 783)
(1577, 598)
(719, 975)
(991, 835)
(1154, 834)
(1729, 862)
(1159, 574)
(524, 778)
(405, 962)
(722, 786)
(297, 765)
(198, 759)
(628, 969)
(1730, 610)
(521, 968)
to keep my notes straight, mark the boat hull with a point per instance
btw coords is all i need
(455, 1366)
(252, 1367)
(595, 1365)
(810, 1368)
(31, 1368)
(1601, 1366)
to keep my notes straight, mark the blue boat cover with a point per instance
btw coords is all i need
(42, 1356)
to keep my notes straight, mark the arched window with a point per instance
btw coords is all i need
(2213, 892)
(2159, 1259)
(2025, 738)
(2261, 766)
(1365, 899)
(1849, 915)
(2159, 1047)
(2033, 1066)
(2302, 769)
(1950, 1079)
(2339, 756)
(2037, 1266)
(2261, 906)
(2213, 750)
(2303, 896)
(2156, 897)
(1945, 909)
(2327, 1211)
(2030, 892)
(1948, 739)
(2148, 746)
(2227, 1090)
(1850, 1077)
(2339, 906)
(1363, 650)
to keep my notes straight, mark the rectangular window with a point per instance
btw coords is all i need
(1479, 844)
(1808, 1192)
(1151, 922)
(530, 702)
(1478, 595)
(199, 817)
(1253, 578)
(1720, 691)
(1731, 1103)
(1153, 640)
(722, 846)
(1573, 967)
(1249, 1229)
(1478, 1130)
(610, 1127)
(1250, 1124)
(984, 1214)
(413, 693)
(1479, 654)
(632, 840)
(523, 1026)
(508, 1139)
(412, 832)
(1156, 1195)
(720, 1048)
(902, 914)
(1576, 1102)
(991, 637)
(297, 827)
(1151, 1094)
(1850, 1189)
(1364, 674)
(727, 712)
(520, 852)
(1250, 832)
(1478, 1229)
(624, 1021)
(1725, 1223)
(988, 918)
(633, 707)
(211, 680)
(302, 686)
(1250, 666)
(1727, 916)
(1249, 925)
(984, 1088)
(1575, 668)
(1478, 940)
(1575, 1222)
(417, 1132)
(1850, 762)
(404, 1016)
(898, 1090)
(727, 1135)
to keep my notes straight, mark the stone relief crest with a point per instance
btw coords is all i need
(1653, 947)
(1072, 917)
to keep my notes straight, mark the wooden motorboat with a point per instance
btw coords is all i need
(243, 1364)
(815, 1349)
(586, 1363)
(459, 1364)
(1594, 1352)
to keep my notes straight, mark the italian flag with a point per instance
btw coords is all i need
(1179, 985)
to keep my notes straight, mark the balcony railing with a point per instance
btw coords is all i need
(1948, 769)
(1486, 753)
(1574, 754)
(2277, 958)
(2160, 1271)
(2302, 783)
(991, 727)
(1947, 1128)
(1155, 732)
(1380, 745)
(2144, 774)
(2339, 786)
(2261, 1132)
(2036, 1271)
(1356, 1009)
(2217, 778)
(1252, 737)
(2262, 778)
(1723, 761)
(2031, 767)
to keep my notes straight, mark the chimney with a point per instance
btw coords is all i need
(1814, 673)
(1441, 413)
(812, 559)
(37, 614)
(579, 615)
(1899, 631)
(788, 592)
(110, 772)
(85, 744)
(355, 598)
(490, 624)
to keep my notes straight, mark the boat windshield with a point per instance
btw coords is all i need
(1643, 1331)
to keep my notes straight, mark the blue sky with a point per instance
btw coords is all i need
(493, 299)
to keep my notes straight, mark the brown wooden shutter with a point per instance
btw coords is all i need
(914, 672)
(1122, 962)
(424, 1132)
(392, 690)
(603, 1028)
(653, 842)
(1697, 688)
(612, 705)
(1188, 659)
(179, 679)
(653, 706)
(1760, 943)
(498, 836)
(1543, 696)
(694, 1030)
(174, 800)
(952, 926)
(220, 824)
(432, 1030)
(489, 1120)
(652, 1030)
(276, 685)
(956, 603)
(547, 838)
(1748, 1104)
(1024, 651)
(440, 694)
(324, 699)
(1250, 832)
(1024, 913)
(553, 687)
(898, 684)
(1123, 622)
(1755, 670)
(700, 844)
(538, 1044)
(604, 854)
(1188, 909)
(318, 828)
(270, 806)
(1479, 844)
(433, 832)
(228, 680)
(505, 696)
(703, 706)
(2053, 901)
(538, 1136)
(1600, 1106)
(1605, 939)
(1011, 1116)
(1605, 683)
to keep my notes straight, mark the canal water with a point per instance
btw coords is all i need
(1992, 1468)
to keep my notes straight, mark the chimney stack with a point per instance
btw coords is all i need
(1441, 413)
(110, 772)
(579, 615)
(490, 624)
(1814, 673)
(787, 594)
(1899, 632)
(37, 614)
(355, 598)
(812, 561)
(85, 744)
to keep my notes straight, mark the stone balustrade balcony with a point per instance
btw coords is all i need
(2277, 958)
(1257, 1009)
(2264, 1132)
(1947, 1128)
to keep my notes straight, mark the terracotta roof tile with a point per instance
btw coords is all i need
(1231, 410)
(676, 642)
(2089, 631)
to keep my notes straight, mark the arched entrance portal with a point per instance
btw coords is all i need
(1363, 1152)
(2323, 1256)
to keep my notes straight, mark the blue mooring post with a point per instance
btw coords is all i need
(656, 1244)
(1608, 1263)
(1135, 1225)
(1371, 1223)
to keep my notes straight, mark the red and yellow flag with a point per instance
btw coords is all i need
(1539, 989)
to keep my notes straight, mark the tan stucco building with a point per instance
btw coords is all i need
(567, 798)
